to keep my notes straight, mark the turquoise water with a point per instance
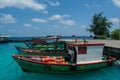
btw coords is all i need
(10, 70)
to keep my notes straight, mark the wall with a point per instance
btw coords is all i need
(94, 53)
(112, 51)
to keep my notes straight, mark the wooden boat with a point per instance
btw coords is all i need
(52, 40)
(82, 56)
(61, 45)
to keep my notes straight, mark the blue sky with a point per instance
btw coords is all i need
(54, 17)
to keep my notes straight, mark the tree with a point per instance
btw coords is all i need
(115, 34)
(100, 25)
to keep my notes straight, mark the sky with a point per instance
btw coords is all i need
(25, 18)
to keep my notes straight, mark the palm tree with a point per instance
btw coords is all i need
(100, 25)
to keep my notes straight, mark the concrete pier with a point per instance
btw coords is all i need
(112, 47)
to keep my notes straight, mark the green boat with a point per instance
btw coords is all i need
(61, 45)
(36, 47)
(44, 52)
(81, 57)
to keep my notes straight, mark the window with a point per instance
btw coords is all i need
(82, 50)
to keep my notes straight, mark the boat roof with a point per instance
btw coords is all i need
(84, 44)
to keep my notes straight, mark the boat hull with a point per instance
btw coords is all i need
(45, 53)
(58, 68)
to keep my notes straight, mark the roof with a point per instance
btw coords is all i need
(85, 44)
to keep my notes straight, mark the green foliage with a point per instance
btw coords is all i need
(100, 25)
(104, 36)
(115, 34)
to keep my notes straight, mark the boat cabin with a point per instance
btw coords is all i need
(85, 52)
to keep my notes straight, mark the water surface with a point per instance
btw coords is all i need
(10, 70)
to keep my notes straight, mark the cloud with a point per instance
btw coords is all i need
(27, 25)
(67, 22)
(7, 19)
(39, 20)
(92, 5)
(45, 12)
(116, 2)
(87, 5)
(12, 30)
(56, 17)
(115, 20)
(66, 15)
(83, 26)
(60, 19)
(55, 25)
(22, 4)
(54, 3)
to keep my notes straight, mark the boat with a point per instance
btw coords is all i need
(52, 43)
(44, 41)
(81, 57)
(60, 46)
(44, 52)
(3, 38)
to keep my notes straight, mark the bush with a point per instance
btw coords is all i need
(115, 34)
(104, 36)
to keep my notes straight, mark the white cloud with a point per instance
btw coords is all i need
(36, 28)
(6, 19)
(66, 15)
(39, 20)
(114, 20)
(92, 5)
(55, 25)
(22, 4)
(56, 17)
(12, 30)
(87, 5)
(67, 22)
(60, 19)
(54, 3)
(97, 6)
(27, 25)
(45, 12)
(116, 2)
(83, 26)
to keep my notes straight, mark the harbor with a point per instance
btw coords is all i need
(59, 40)
(10, 70)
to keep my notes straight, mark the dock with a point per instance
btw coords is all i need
(112, 47)
(110, 43)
